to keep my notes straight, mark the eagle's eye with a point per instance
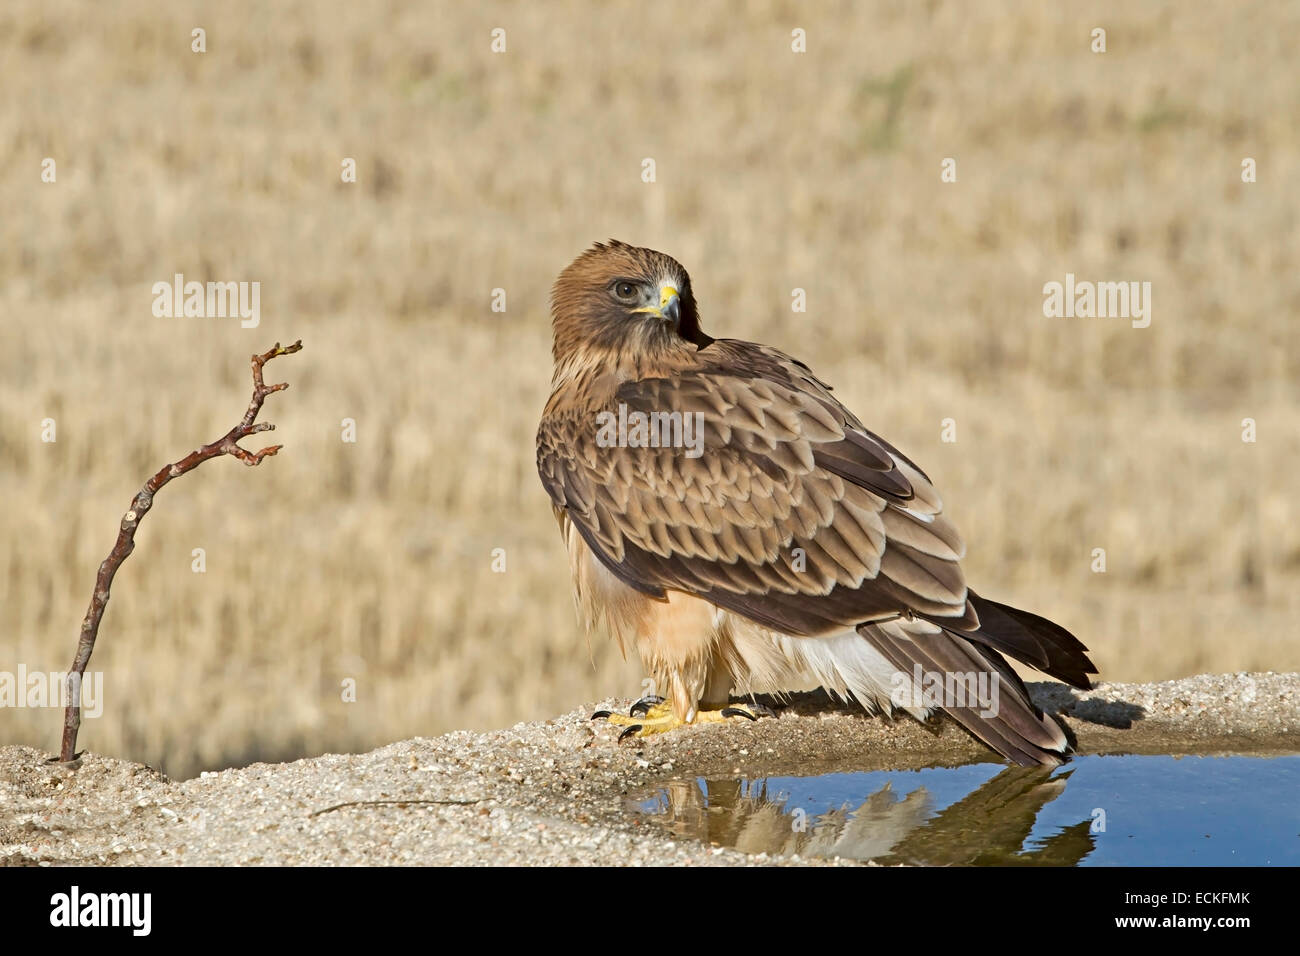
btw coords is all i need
(627, 292)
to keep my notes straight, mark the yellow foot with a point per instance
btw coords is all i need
(654, 715)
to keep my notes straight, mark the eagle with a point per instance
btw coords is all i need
(729, 519)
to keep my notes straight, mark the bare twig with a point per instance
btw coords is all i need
(227, 444)
(398, 803)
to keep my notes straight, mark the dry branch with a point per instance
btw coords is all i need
(227, 444)
(398, 803)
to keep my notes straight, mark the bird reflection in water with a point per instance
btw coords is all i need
(988, 827)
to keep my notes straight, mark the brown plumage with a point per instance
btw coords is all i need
(757, 537)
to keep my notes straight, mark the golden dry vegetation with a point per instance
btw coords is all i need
(478, 171)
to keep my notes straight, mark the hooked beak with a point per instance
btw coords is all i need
(670, 305)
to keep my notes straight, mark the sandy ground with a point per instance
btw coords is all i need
(554, 792)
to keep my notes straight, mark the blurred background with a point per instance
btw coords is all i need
(476, 170)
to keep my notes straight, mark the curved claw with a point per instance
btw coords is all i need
(643, 705)
(750, 710)
(738, 712)
(599, 714)
(629, 732)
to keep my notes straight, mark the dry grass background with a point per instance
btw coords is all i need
(373, 560)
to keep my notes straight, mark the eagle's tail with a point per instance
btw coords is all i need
(1032, 640)
(948, 668)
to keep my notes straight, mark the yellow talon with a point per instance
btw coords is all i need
(660, 719)
(656, 712)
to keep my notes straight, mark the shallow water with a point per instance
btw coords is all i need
(1094, 811)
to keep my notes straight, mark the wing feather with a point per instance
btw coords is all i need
(792, 513)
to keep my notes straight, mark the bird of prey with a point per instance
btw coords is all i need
(728, 518)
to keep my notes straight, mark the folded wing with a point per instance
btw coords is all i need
(789, 511)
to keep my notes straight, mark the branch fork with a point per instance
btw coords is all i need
(227, 444)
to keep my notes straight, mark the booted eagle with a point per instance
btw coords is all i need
(728, 518)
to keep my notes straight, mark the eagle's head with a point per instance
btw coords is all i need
(623, 298)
